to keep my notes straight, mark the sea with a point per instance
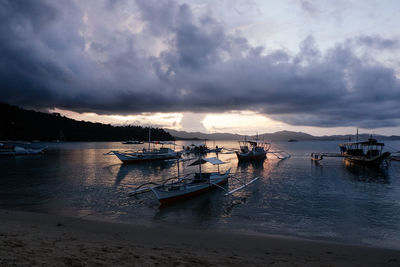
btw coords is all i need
(330, 200)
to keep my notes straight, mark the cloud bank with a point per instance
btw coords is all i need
(123, 57)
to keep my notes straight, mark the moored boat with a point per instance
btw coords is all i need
(252, 150)
(143, 155)
(149, 154)
(178, 188)
(183, 188)
(132, 142)
(15, 149)
(368, 152)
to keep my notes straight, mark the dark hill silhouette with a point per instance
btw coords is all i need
(21, 124)
(277, 136)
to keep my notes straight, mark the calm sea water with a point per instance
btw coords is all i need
(296, 197)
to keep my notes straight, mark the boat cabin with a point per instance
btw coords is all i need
(256, 146)
(371, 148)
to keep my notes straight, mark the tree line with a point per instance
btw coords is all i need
(20, 124)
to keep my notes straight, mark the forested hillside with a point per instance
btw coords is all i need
(20, 124)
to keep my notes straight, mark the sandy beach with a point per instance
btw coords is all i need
(31, 239)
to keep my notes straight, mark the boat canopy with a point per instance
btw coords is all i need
(163, 142)
(212, 160)
(254, 142)
(370, 142)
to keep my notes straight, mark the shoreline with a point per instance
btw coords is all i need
(40, 239)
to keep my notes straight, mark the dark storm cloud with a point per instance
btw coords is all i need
(79, 58)
(308, 6)
(378, 42)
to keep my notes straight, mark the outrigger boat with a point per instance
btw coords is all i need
(149, 154)
(143, 155)
(15, 149)
(132, 142)
(252, 150)
(395, 157)
(369, 153)
(201, 149)
(177, 188)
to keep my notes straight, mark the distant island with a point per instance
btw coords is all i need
(282, 136)
(29, 125)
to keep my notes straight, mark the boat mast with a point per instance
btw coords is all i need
(200, 165)
(177, 162)
(357, 135)
(149, 136)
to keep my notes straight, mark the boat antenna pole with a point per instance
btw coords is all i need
(201, 176)
(149, 136)
(177, 162)
(357, 135)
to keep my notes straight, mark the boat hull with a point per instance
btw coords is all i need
(22, 151)
(251, 156)
(168, 197)
(128, 159)
(374, 162)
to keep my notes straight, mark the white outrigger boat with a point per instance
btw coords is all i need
(150, 154)
(132, 142)
(179, 188)
(11, 149)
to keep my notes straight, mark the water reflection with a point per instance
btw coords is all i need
(143, 170)
(202, 210)
(245, 166)
(367, 174)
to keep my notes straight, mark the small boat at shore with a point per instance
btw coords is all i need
(15, 149)
(178, 188)
(201, 182)
(252, 150)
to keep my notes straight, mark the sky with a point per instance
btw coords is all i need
(322, 67)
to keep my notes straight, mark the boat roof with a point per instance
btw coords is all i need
(370, 142)
(212, 160)
(254, 142)
(163, 142)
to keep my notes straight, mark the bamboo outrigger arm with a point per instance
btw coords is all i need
(241, 187)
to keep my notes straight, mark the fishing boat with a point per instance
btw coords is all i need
(195, 149)
(15, 149)
(252, 150)
(368, 152)
(201, 182)
(178, 188)
(132, 142)
(149, 154)
(152, 152)
(202, 149)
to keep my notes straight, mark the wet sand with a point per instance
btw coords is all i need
(31, 239)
